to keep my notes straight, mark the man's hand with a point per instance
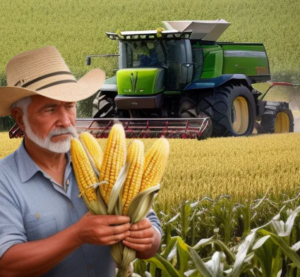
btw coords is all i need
(143, 238)
(102, 229)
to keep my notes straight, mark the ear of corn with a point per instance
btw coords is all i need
(113, 160)
(93, 150)
(135, 159)
(155, 163)
(84, 174)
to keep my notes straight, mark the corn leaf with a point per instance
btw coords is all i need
(289, 252)
(164, 265)
(140, 266)
(269, 256)
(199, 264)
(296, 246)
(241, 254)
(260, 242)
(185, 219)
(203, 242)
(215, 265)
(284, 229)
(170, 250)
(191, 273)
(173, 218)
(183, 255)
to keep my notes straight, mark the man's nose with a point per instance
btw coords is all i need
(64, 119)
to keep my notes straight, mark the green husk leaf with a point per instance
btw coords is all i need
(142, 203)
(117, 253)
(101, 207)
(115, 205)
(129, 255)
(138, 209)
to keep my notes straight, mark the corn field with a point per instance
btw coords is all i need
(244, 168)
(77, 27)
(228, 207)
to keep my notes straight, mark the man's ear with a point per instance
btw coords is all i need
(17, 115)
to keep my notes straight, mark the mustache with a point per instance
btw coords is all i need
(71, 130)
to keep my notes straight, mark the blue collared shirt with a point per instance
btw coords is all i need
(34, 206)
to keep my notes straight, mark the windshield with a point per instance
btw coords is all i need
(145, 54)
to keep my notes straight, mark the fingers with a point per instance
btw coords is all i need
(144, 233)
(114, 219)
(113, 234)
(115, 238)
(103, 229)
(108, 219)
(141, 225)
(138, 244)
(139, 240)
(141, 236)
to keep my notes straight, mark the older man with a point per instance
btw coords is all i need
(45, 228)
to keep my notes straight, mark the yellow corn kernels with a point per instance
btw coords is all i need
(83, 169)
(93, 148)
(113, 160)
(155, 163)
(135, 159)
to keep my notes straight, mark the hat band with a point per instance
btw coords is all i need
(56, 83)
(19, 83)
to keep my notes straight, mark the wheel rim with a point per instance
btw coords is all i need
(240, 115)
(282, 123)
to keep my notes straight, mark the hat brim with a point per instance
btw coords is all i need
(85, 87)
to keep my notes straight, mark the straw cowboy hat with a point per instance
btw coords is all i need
(44, 72)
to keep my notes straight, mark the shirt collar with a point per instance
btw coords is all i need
(27, 167)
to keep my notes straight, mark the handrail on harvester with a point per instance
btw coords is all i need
(274, 84)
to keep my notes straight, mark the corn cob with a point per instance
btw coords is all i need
(155, 163)
(113, 160)
(135, 158)
(84, 172)
(93, 149)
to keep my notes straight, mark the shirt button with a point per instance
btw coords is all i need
(90, 266)
(71, 206)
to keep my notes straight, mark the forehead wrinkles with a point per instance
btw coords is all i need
(41, 105)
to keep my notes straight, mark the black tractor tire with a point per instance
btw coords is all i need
(188, 109)
(277, 118)
(103, 106)
(222, 107)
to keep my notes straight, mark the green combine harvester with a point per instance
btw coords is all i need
(179, 82)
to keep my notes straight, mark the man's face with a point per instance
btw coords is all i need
(50, 123)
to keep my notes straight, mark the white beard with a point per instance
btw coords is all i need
(62, 146)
